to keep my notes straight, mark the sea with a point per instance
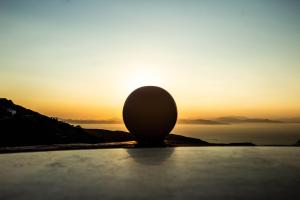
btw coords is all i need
(257, 133)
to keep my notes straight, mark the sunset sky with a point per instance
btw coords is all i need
(81, 59)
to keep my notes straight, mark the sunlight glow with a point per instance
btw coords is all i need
(142, 76)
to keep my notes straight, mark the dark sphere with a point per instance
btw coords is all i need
(150, 114)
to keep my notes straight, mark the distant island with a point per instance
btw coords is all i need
(234, 119)
(92, 121)
(228, 120)
(200, 121)
(23, 129)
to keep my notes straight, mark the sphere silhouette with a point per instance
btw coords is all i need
(150, 114)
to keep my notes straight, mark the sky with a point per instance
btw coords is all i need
(81, 59)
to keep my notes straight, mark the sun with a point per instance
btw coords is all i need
(142, 76)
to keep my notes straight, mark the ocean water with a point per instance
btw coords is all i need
(257, 133)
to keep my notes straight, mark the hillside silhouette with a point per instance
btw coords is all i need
(20, 126)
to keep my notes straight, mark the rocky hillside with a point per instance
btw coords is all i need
(23, 127)
(20, 126)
